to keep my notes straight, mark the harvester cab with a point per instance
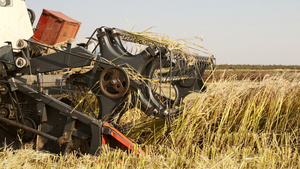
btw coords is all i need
(62, 98)
(15, 22)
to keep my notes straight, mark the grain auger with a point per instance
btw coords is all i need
(62, 98)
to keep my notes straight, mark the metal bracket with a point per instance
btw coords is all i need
(12, 84)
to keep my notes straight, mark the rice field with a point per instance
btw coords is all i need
(236, 123)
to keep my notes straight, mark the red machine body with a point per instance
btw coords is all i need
(55, 27)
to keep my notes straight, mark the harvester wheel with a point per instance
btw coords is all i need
(28, 136)
(114, 82)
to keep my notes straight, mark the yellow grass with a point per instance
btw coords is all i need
(234, 124)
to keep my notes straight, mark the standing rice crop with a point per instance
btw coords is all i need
(243, 114)
(234, 124)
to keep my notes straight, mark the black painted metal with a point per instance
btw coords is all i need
(21, 126)
(78, 57)
(61, 122)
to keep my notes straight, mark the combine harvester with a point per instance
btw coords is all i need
(49, 87)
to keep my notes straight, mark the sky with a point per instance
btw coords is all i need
(263, 32)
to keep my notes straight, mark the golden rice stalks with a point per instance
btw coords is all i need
(235, 113)
(163, 157)
(186, 48)
(234, 124)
